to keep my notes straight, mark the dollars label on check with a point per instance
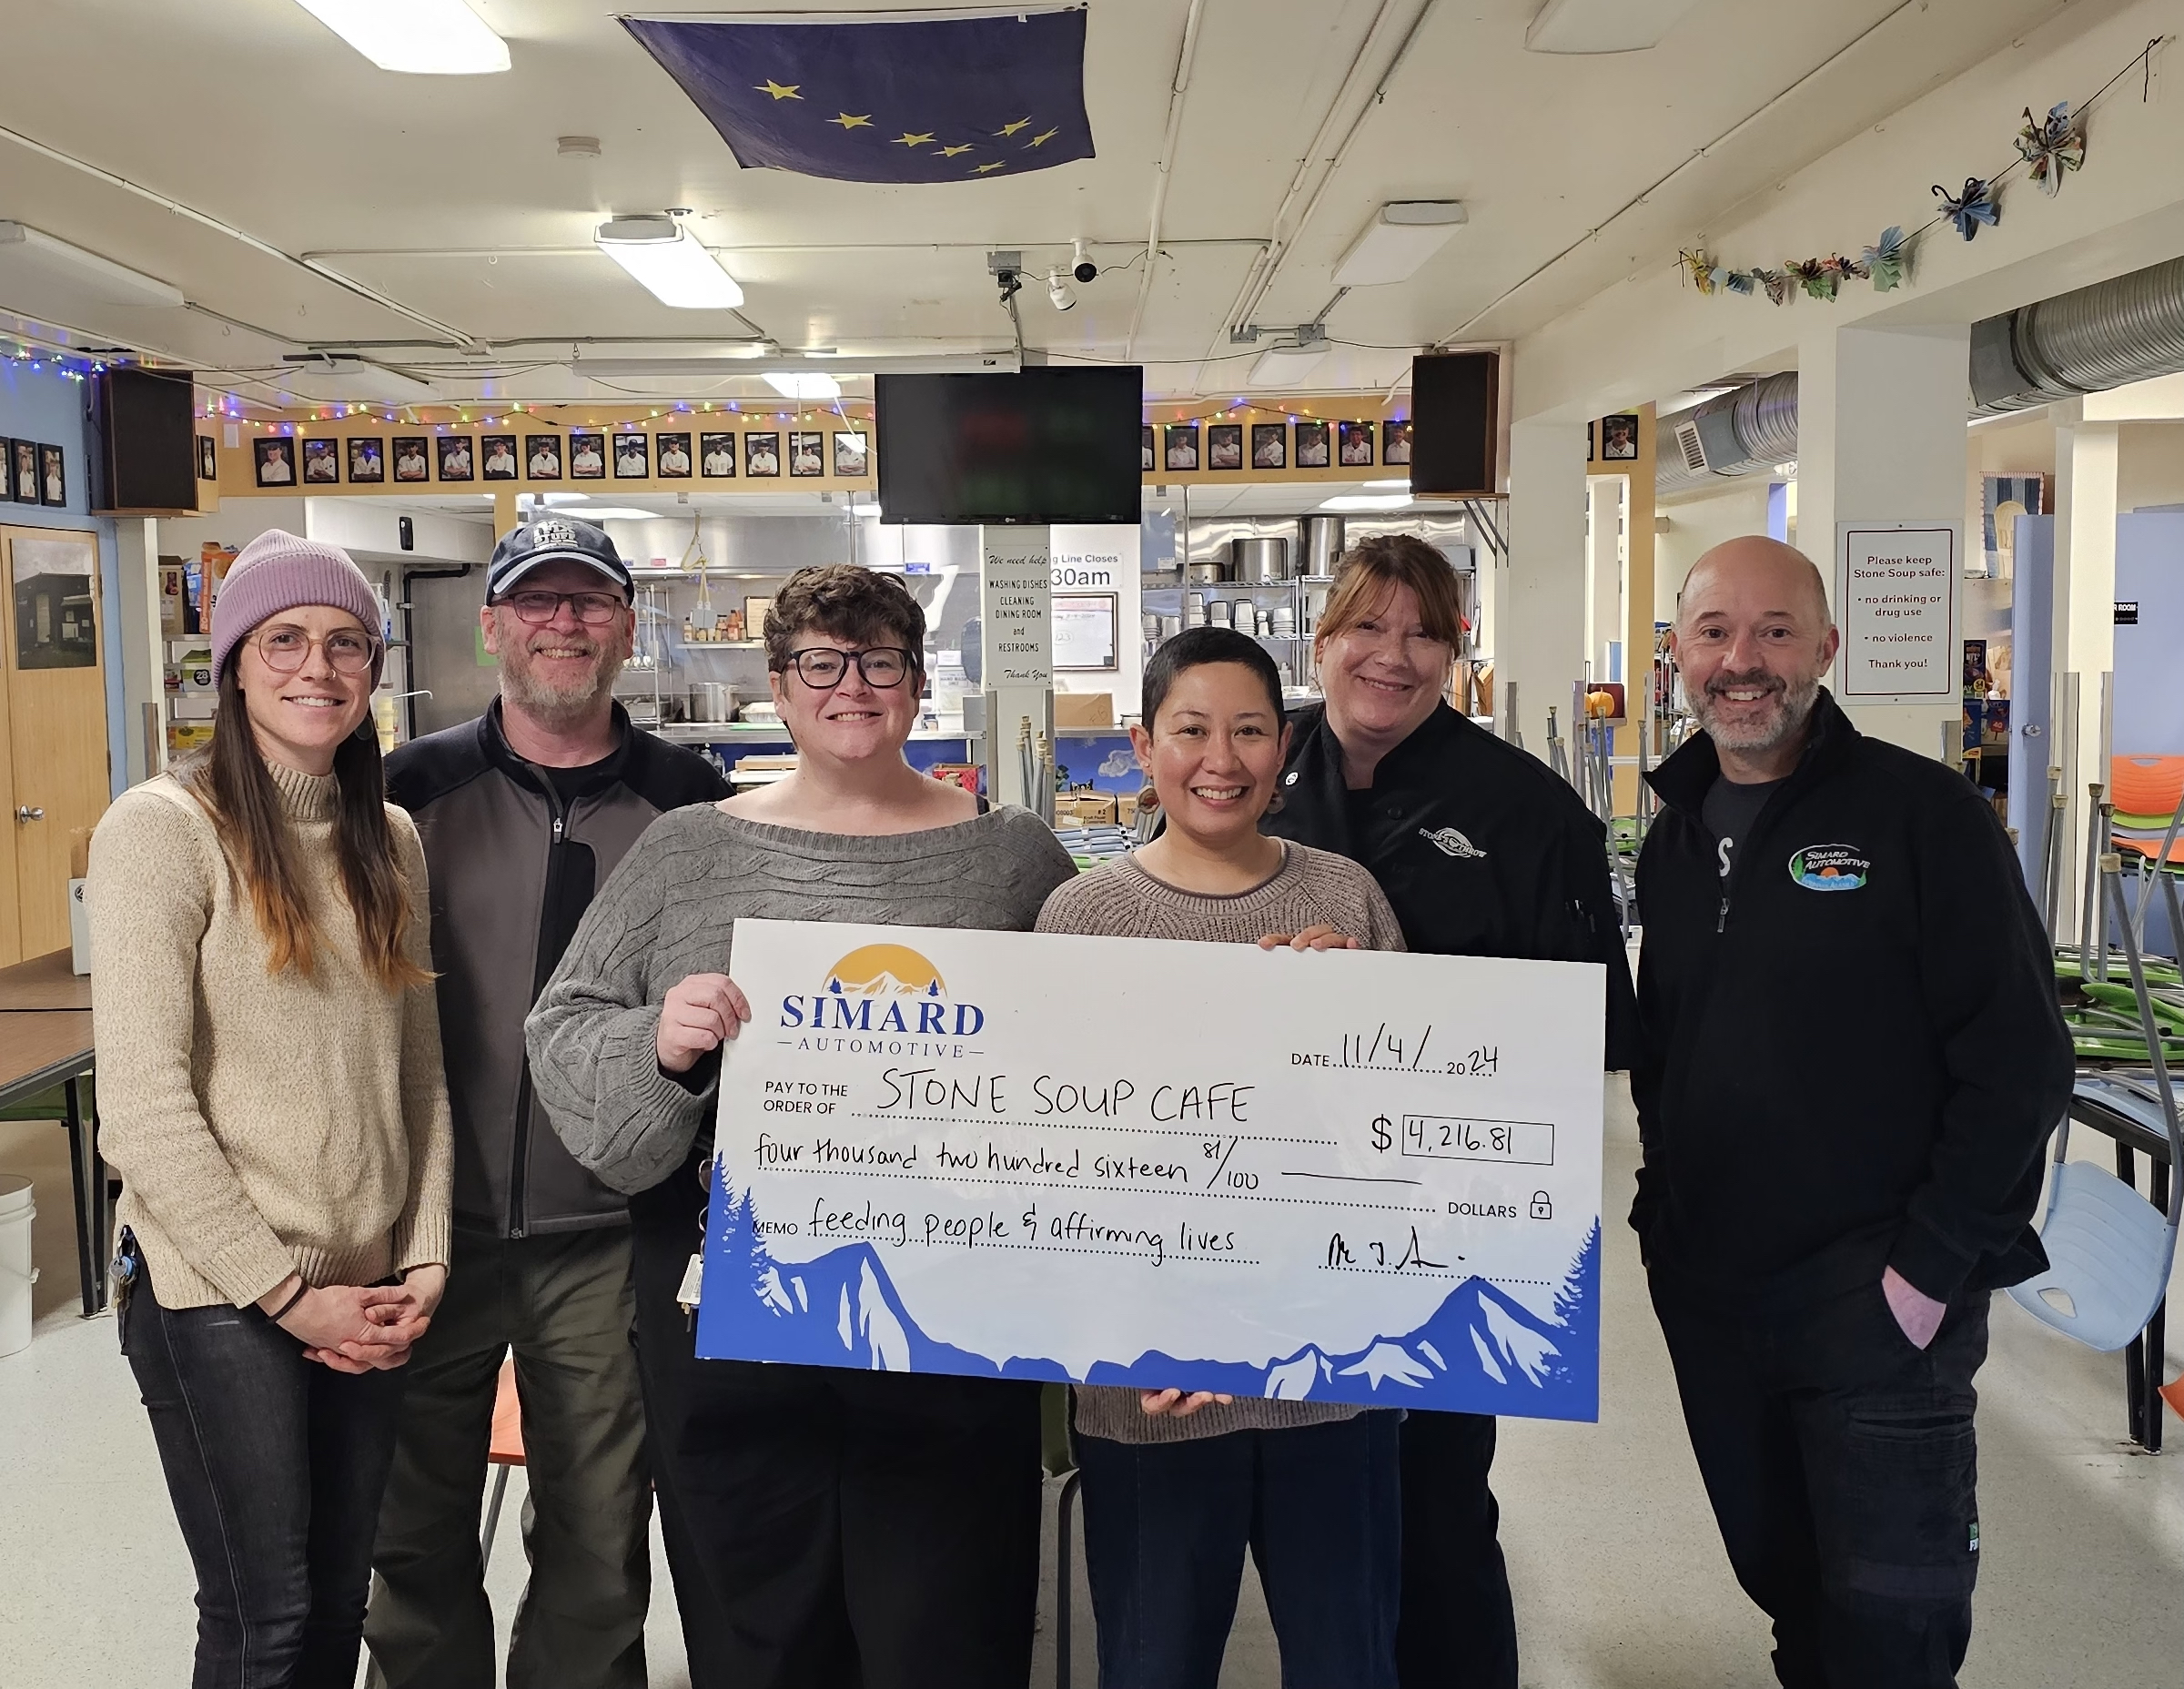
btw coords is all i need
(1456, 1138)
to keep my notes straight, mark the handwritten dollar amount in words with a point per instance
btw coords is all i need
(1451, 1137)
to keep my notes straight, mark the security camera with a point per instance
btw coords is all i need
(1059, 290)
(1082, 266)
(1010, 284)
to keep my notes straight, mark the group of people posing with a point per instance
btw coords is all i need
(407, 1067)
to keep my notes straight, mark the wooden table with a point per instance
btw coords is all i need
(44, 982)
(44, 1042)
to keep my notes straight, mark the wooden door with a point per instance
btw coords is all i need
(56, 721)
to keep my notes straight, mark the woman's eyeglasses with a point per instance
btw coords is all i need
(537, 609)
(349, 650)
(821, 666)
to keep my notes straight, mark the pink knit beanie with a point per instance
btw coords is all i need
(277, 571)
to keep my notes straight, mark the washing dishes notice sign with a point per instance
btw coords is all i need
(1017, 606)
(1895, 598)
(1350, 1176)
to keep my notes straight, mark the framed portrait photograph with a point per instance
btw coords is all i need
(632, 458)
(1269, 445)
(1145, 461)
(1395, 443)
(1618, 438)
(762, 455)
(851, 458)
(274, 456)
(53, 475)
(1354, 440)
(412, 458)
(1591, 442)
(457, 462)
(716, 456)
(674, 462)
(321, 461)
(1312, 446)
(1225, 446)
(587, 455)
(542, 457)
(497, 458)
(367, 461)
(808, 454)
(22, 470)
(1181, 441)
(208, 458)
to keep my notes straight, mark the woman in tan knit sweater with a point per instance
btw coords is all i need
(1176, 1486)
(271, 1095)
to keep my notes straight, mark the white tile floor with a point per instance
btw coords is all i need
(1620, 1579)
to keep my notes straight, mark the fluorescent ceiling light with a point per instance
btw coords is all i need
(762, 360)
(615, 513)
(1366, 501)
(29, 255)
(1386, 486)
(803, 384)
(1400, 238)
(423, 37)
(671, 261)
(354, 377)
(1286, 365)
(1603, 26)
(864, 509)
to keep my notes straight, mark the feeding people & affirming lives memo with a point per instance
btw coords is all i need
(1341, 1176)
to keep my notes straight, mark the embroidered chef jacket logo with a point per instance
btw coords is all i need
(1449, 842)
(1829, 868)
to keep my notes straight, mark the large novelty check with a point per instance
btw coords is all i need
(1350, 1176)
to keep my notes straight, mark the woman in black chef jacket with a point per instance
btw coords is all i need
(1481, 851)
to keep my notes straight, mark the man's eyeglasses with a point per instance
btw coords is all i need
(592, 609)
(821, 666)
(349, 650)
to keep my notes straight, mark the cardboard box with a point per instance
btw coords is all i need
(1083, 709)
(183, 737)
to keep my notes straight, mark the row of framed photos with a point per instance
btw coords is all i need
(36, 473)
(581, 454)
(1316, 446)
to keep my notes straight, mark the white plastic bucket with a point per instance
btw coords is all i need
(18, 1209)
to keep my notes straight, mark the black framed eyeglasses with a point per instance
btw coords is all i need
(537, 609)
(821, 666)
(349, 651)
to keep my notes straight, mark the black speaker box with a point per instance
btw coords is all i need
(1455, 425)
(146, 460)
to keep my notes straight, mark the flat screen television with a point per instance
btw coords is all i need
(1045, 445)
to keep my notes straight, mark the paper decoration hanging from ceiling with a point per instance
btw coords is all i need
(911, 99)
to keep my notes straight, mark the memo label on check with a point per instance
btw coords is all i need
(1455, 1137)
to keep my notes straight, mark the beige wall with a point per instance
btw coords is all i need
(1696, 525)
(2150, 467)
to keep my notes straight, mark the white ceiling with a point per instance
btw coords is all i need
(253, 115)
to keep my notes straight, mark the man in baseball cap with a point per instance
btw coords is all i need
(523, 814)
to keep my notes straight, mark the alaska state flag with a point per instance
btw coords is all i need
(917, 99)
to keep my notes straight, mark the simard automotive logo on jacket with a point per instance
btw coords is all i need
(1830, 867)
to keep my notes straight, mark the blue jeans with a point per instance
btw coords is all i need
(1165, 1527)
(274, 1465)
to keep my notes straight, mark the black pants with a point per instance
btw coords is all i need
(849, 1529)
(1458, 1627)
(275, 1464)
(1842, 1468)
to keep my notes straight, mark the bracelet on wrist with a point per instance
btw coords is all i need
(302, 1291)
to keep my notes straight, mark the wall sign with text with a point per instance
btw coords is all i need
(1896, 603)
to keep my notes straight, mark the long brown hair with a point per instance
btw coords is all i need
(1376, 566)
(231, 779)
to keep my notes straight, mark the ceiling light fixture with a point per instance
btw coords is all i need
(421, 37)
(1603, 26)
(1059, 291)
(1366, 501)
(28, 254)
(803, 384)
(1386, 486)
(1286, 365)
(331, 378)
(763, 360)
(670, 261)
(616, 513)
(1397, 241)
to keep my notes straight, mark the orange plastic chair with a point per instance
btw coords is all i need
(505, 1451)
(2147, 787)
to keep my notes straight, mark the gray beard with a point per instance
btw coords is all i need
(551, 707)
(1795, 709)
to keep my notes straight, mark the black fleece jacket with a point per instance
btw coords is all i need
(1854, 1048)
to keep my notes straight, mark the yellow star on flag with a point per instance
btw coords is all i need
(906, 139)
(1041, 140)
(980, 169)
(780, 93)
(848, 122)
(1010, 128)
(950, 152)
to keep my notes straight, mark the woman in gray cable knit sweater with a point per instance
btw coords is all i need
(1176, 1485)
(825, 1527)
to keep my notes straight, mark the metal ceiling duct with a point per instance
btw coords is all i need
(2113, 333)
(1733, 433)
